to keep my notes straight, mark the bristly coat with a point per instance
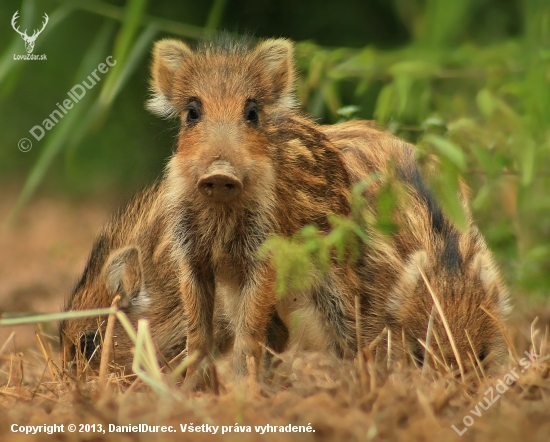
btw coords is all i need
(248, 165)
(130, 258)
(458, 265)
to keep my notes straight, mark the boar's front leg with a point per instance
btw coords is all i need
(198, 293)
(257, 299)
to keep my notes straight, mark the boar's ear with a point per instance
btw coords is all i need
(168, 55)
(124, 276)
(277, 56)
(484, 268)
(410, 275)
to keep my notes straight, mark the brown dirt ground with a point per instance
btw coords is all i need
(43, 254)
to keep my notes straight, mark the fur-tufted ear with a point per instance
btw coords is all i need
(484, 268)
(168, 56)
(278, 57)
(123, 275)
(410, 275)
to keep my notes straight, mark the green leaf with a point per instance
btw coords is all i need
(119, 79)
(445, 187)
(485, 159)
(448, 150)
(124, 44)
(134, 12)
(403, 87)
(486, 102)
(443, 21)
(482, 197)
(527, 158)
(292, 263)
(215, 15)
(363, 65)
(384, 104)
(348, 111)
(415, 69)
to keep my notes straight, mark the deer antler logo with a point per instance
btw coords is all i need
(29, 41)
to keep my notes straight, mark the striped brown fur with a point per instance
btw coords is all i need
(238, 118)
(199, 254)
(458, 265)
(131, 258)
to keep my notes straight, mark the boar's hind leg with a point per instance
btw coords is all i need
(334, 304)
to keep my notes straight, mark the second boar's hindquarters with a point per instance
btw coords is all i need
(248, 165)
(457, 264)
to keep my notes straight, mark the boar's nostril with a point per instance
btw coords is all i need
(220, 185)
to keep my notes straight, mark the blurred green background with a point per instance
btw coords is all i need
(467, 80)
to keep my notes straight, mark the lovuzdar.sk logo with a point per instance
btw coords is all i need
(29, 40)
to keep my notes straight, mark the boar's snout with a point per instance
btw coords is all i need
(220, 183)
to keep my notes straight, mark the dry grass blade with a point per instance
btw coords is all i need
(388, 366)
(145, 364)
(50, 317)
(534, 333)
(475, 355)
(127, 325)
(39, 382)
(107, 344)
(543, 344)
(10, 337)
(504, 332)
(46, 341)
(430, 403)
(376, 340)
(435, 358)
(359, 336)
(44, 353)
(358, 332)
(445, 323)
(403, 345)
(165, 363)
(183, 364)
(428, 341)
(474, 367)
(83, 362)
(441, 352)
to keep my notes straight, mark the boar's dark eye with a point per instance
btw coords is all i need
(418, 355)
(89, 342)
(251, 112)
(193, 112)
(482, 354)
